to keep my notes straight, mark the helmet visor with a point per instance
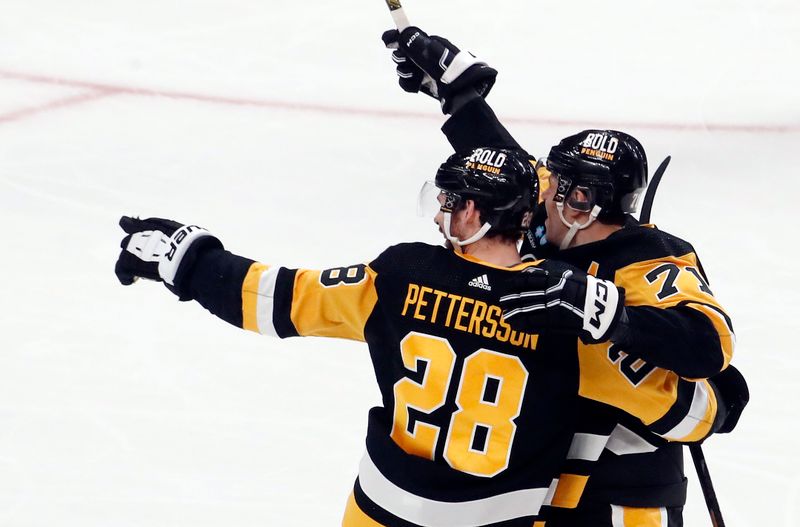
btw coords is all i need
(428, 200)
(432, 199)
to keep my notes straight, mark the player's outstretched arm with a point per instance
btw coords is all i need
(161, 250)
(273, 301)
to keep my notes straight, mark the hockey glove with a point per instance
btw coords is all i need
(161, 250)
(732, 396)
(562, 299)
(442, 70)
(410, 76)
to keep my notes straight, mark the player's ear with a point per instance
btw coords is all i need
(580, 201)
(579, 195)
(470, 210)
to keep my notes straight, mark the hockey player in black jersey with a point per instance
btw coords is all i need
(477, 425)
(670, 327)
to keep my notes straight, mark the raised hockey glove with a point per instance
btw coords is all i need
(446, 69)
(161, 250)
(562, 299)
(410, 76)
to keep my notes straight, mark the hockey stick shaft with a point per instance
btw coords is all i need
(699, 459)
(398, 15)
(650, 194)
(706, 485)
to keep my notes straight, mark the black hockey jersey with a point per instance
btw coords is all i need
(479, 422)
(679, 330)
(472, 429)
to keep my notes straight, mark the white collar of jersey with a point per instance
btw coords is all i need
(574, 227)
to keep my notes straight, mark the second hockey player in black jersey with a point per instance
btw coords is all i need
(478, 422)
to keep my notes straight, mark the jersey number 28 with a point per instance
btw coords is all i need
(489, 397)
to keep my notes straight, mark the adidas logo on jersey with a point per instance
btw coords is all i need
(481, 282)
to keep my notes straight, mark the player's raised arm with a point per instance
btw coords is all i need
(457, 79)
(269, 300)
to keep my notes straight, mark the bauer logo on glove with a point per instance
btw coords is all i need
(161, 250)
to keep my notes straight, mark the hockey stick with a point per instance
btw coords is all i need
(650, 194)
(398, 15)
(705, 484)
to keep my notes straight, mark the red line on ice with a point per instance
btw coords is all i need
(54, 105)
(108, 89)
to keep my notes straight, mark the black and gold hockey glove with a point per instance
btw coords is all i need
(561, 299)
(438, 68)
(161, 250)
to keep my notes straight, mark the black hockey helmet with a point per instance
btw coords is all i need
(609, 166)
(502, 182)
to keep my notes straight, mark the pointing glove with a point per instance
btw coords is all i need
(161, 250)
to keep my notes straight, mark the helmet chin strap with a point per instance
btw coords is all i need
(574, 227)
(458, 244)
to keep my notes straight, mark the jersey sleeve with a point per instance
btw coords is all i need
(301, 302)
(672, 407)
(476, 125)
(285, 302)
(678, 335)
(674, 321)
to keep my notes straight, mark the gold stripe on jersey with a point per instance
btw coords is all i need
(650, 399)
(569, 490)
(638, 517)
(250, 296)
(538, 524)
(332, 311)
(697, 424)
(601, 380)
(355, 517)
(517, 267)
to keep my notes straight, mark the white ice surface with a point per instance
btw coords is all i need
(279, 126)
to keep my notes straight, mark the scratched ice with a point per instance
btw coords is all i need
(279, 126)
